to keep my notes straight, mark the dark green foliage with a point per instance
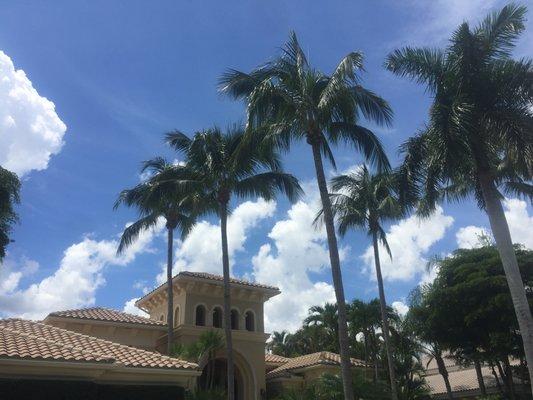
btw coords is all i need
(9, 196)
(469, 306)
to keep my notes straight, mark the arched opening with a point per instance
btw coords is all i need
(249, 319)
(177, 316)
(162, 318)
(217, 317)
(214, 376)
(234, 319)
(200, 315)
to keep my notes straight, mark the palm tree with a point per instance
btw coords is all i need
(9, 196)
(288, 100)
(155, 199)
(226, 166)
(280, 343)
(366, 201)
(326, 317)
(479, 139)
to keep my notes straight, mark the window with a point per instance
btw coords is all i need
(162, 318)
(217, 317)
(176, 316)
(234, 319)
(250, 321)
(200, 315)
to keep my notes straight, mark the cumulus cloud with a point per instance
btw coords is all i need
(409, 241)
(74, 283)
(201, 250)
(469, 237)
(400, 307)
(31, 131)
(131, 308)
(518, 218)
(520, 222)
(297, 249)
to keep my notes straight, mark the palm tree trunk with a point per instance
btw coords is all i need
(479, 375)
(227, 300)
(170, 292)
(385, 319)
(444, 372)
(335, 272)
(502, 236)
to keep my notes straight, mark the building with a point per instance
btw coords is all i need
(104, 353)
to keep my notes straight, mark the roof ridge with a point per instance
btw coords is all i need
(94, 354)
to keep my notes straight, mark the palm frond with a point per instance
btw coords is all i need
(132, 232)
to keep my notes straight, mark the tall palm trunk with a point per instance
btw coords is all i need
(502, 236)
(227, 300)
(384, 319)
(170, 291)
(444, 373)
(335, 272)
(479, 374)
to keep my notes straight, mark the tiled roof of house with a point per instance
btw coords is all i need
(309, 360)
(106, 314)
(22, 339)
(275, 359)
(211, 277)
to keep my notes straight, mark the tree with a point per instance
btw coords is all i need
(288, 100)
(365, 201)
(9, 196)
(156, 199)
(225, 166)
(468, 309)
(280, 343)
(203, 352)
(417, 319)
(479, 138)
(325, 317)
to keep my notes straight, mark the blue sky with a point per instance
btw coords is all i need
(121, 74)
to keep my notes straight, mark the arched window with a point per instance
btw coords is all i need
(176, 316)
(162, 318)
(250, 321)
(217, 317)
(200, 315)
(234, 319)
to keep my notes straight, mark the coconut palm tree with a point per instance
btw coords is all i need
(288, 100)
(155, 199)
(365, 201)
(326, 317)
(9, 196)
(224, 165)
(479, 138)
(280, 343)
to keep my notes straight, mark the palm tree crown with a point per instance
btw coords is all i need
(289, 100)
(481, 119)
(365, 201)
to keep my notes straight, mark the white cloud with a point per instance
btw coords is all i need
(297, 250)
(409, 241)
(30, 129)
(520, 222)
(468, 237)
(201, 250)
(518, 218)
(130, 308)
(75, 282)
(400, 307)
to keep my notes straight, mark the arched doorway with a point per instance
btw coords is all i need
(214, 377)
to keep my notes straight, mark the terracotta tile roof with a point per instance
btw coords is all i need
(309, 360)
(211, 277)
(106, 314)
(275, 359)
(28, 339)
